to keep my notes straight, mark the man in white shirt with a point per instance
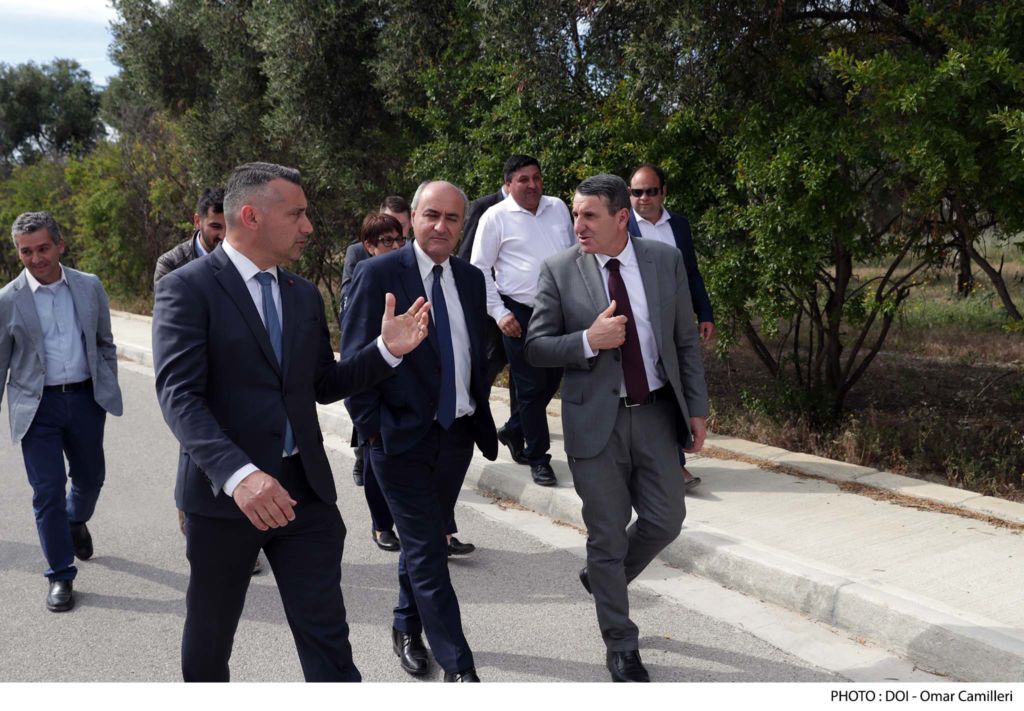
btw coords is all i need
(513, 239)
(650, 220)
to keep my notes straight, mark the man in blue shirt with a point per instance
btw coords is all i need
(57, 348)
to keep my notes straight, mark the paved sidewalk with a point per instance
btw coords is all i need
(940, 585)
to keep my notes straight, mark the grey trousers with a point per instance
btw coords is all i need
(638, 469)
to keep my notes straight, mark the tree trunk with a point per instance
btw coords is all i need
(996, 277)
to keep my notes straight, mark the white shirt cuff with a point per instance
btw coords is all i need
(391, 360)
(500, 313)
(588, 352)
(235, 479)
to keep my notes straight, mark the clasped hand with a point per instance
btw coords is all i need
(608, 330)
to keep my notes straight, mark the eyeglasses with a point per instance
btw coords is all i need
(390, 241)
(649, 192)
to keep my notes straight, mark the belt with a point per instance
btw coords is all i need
(68, 387)
(660, 394)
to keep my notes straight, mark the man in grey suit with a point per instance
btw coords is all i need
(615, 312)
(56, 345)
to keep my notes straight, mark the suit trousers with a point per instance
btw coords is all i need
(305, 556)
(638, 469)
(71, 424)
(496, 361)
(421, 487)
(380, 514)
(534, 389)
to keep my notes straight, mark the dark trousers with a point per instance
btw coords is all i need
(71, 424)
(380, 514)
(496, 362)
(305, 556)
(534, 389)
(421, 487)
(637, 470)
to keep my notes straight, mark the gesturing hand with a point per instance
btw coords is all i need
(403, 333)
(264, 501)
(608, 330)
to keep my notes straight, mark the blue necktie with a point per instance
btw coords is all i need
(439, 308)
(273, 324)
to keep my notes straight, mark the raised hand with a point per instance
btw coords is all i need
(608, 330)
(264, 501)
(403, 333)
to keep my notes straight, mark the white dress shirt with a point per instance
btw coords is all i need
(660, 231)
(514, 242)
(630, 271)
(248, 271)
(464, 404)
(64, 359)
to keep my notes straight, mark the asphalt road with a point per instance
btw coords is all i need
(524, 611)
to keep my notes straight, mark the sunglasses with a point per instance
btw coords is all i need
(649, 192)
(390, 241)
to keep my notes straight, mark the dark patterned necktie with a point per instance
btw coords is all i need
(439, 308)
(273, 324)
(633, 371)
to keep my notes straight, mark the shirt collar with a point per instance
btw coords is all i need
(243, 264)
(425, 263)
(34, 284)
(626, 257)
(200, 249)
(661, 220)
(513, 206)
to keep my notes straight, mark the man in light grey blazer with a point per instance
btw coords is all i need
(57, 348)
(615, 312)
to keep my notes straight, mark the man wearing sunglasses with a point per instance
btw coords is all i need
(512, 240)
(650, 220)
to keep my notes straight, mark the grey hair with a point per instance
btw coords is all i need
(249, 180)
(422, 186)
(610, 187)
(28, 222)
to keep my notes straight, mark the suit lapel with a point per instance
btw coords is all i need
(466, 296)
(649, 276)
(412, 284)
(27, 308)
(592, 280)
(84, 306)
(231, 281)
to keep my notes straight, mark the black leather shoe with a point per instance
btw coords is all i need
(357, 471)
(690, 482)
(411, 652)
(543, 475)
(81, 539)
(385, 540)
(585, 579)
(457, 547)
(463, 676)
(515, 445)
(626, 666)
(61, 597)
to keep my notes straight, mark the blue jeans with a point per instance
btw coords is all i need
(66, 423)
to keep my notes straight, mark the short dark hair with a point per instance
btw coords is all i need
(212, 200)
(249, 179)
(655, 169)
(396, 204)
(611, 188)
(28, 222)
(516, 162)
(377, 224)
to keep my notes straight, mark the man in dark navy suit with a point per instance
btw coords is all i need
(650, 220)
(422, 424)
(242, 356)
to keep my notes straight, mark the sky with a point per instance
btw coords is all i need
(44, 30)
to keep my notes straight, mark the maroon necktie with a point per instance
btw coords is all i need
(633, 371)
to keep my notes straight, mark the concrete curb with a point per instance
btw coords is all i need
(936, 638)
